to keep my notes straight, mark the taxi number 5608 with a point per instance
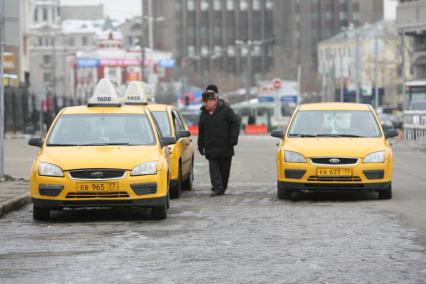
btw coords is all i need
(104, 99)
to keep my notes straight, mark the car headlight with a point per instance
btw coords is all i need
(294, 157)
(376, 157)
(47, 169)
(149, 168)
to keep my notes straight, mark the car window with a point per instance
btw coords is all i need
(92, 129)
(334, 123)
(177, 121)
(162, 119)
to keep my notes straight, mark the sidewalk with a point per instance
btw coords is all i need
(14, 193)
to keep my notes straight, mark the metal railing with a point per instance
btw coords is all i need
(415, 126)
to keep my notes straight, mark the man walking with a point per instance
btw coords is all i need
(219, 128)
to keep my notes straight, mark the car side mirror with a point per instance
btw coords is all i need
(36, 141)
(277, 134)
(390, 133)
(182, 134)
(166, 141)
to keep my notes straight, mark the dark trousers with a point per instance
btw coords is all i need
(219, 173)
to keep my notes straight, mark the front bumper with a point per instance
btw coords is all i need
(146, 202)
(315, 187)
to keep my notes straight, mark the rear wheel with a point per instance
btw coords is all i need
(41, 213)
(189, 180)
(387, 193)
(177, 187)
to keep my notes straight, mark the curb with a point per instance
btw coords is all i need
(14, 203)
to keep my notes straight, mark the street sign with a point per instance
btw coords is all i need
(167, 63)
(277, 84)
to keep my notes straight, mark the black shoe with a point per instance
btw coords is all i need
(217, 193)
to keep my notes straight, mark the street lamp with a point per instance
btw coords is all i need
(249, 46)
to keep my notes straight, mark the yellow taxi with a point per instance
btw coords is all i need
(334, 146)
(171, 124)
(105, 154)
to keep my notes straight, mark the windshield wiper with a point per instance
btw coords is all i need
(339, 135)
(60, 145)
(105, 144)
(301, 135)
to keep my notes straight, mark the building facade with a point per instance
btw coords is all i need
(411, 21)
(363, 58)
(205, 31)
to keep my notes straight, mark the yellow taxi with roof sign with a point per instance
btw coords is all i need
(104, 154)
(171, 124)
(334, 146)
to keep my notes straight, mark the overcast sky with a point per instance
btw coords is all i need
(122, 9)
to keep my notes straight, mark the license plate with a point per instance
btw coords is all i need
(334, 172)
(97, 186)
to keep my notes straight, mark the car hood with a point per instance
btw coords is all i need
(84, 157)
(334, 147)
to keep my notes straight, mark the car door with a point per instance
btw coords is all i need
(185, 143)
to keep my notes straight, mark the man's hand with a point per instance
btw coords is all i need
(202, 151)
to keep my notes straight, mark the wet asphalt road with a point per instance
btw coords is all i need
(246, 236)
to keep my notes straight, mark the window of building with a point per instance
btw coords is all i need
(84, 41)
(204, 51)
(243, 5)
(231, 51)
(44, 14)
(217, 5)
(343, 16)
(191, 51)
(47, 59)
(230, 5)
(217, 32)
(256, 5)
(328, 15)
(190, 5)
(47, 77)
(269, 4)
(40, 41)
(35, 15)
(355, 16)
(217, 50)
(71, 41)
(256, 50)
(178, 5)
(204, 5)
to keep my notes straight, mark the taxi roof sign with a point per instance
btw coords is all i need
(137, 93)
(104, 95)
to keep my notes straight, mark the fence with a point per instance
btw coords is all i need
(415, 126)
(22, 110)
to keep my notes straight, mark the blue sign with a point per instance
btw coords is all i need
(167, 63)
(87, 62)
(284, 99)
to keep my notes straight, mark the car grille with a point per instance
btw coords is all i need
(115, 194)
(347, 179)
(341, 161)
(97, 174)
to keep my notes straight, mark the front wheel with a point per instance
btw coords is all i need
(387, 193)
(41, 213)
(159, 213)
(283, 193)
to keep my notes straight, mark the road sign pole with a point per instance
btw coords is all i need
(2, 42)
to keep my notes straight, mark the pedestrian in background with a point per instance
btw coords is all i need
(219, 128)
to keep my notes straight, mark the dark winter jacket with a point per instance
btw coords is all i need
(218, 132)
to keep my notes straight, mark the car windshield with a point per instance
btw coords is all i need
(334, 123)
(101, 129)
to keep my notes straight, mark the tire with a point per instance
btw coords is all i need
(283, 193)
(41, 213)
(176, 189)
(189, 180)
(386, 194)
(160, 212)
